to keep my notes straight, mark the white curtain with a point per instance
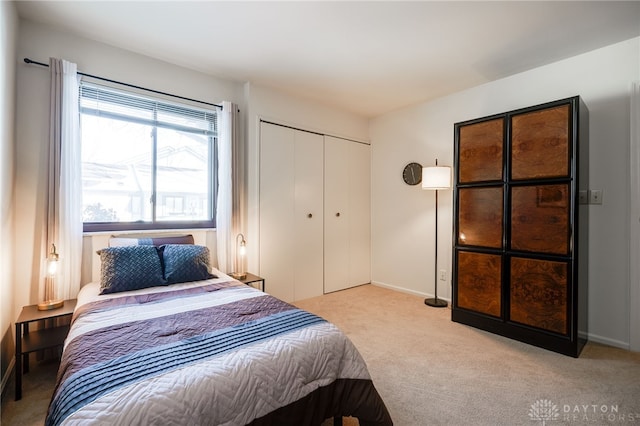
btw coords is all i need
(226, 217)
(64, 203)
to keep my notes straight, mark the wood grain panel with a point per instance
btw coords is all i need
(480, 217)
(540, 144)
(540, 218)
(478, 283)
(539, 294)
(480, 148)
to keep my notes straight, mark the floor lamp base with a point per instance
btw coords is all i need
(436, 303)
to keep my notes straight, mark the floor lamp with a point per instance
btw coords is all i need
(436, 178)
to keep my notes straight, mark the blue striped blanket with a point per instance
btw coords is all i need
(213, 352)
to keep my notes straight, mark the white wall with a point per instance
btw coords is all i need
(271, 105)
(39, 42)
(402, 217)
(8, 42)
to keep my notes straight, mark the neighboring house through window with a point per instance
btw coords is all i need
(146, 163)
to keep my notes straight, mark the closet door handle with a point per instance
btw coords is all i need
(309, 215)
(338, 214)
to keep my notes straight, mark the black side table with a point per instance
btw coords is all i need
(27, 342)
(250, 278)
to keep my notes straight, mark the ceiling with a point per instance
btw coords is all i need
(366, 57)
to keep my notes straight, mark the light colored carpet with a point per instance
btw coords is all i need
(37, 387)
(431, 371)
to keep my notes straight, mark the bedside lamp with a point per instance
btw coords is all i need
(241, 251)
(436, 178)
(51, 302)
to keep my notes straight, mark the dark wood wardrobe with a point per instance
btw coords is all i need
(520, 232)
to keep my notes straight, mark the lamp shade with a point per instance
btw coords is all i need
(436, 177)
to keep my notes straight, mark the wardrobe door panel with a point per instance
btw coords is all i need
(540, 144)
(480, 217)
(479, 282)
(539, 293)
(540, 218)
(480, 152)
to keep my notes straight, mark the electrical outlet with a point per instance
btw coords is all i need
(595, 196)
(443, 274)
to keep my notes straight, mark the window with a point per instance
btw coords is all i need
(146, 163)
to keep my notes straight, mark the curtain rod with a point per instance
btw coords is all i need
(29, 61)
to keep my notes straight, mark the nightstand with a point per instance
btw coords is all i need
(250, 278)
(27, 342)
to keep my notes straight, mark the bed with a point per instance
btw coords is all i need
(205, 351)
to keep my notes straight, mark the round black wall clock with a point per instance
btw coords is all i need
(412, 174)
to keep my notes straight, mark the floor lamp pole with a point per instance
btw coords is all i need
(435, 302)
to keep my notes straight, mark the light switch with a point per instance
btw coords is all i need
(583, 197)
(595, 196)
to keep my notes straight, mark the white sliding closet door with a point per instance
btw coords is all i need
(360, 214)
(347, 233)
(291, 224)
(308, 215)
(336, 214)
(277, 209)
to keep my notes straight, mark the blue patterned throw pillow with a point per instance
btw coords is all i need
(183, 263)
(130, 268)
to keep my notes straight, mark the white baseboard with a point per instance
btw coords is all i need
(609, 342)
(407, 291)
(590, 336)
(7, 374)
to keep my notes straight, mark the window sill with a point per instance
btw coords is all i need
(147, 231)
